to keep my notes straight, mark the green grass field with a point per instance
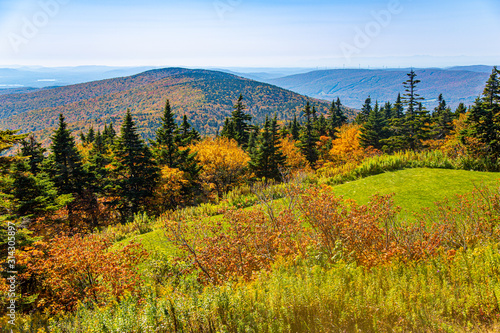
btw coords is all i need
(417, 188)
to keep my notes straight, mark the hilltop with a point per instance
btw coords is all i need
(353, 86)
(207, 97)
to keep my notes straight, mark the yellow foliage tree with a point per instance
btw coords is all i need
(168, 193)
(224, 163)
(295, 160)
(347, 147)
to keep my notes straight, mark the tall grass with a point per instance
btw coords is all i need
(385, 163)
(443, 294)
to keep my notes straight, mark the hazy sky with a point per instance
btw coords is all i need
(250, 33)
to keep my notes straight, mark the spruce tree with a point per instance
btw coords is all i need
(309, 138)
(267, 157)
(135, 173)
(109, 135)
(34, 195)
(398, 108)
(461, 109)
(387, 110)
(34, 151)
(374, 129)
(336, 118)
(442, 118)
(237, 126)
(8, 139)
(483, 119)
(64, 164)
(295, 128)
(187, 134)
(365, 111)
(167, 149)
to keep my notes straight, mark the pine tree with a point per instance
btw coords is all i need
(34, 195)
(64, 164)
(398, 109)
(167, 149)
(253, 140)
(387, 110)
(408, 131)
(442, 118)
(295, 128)
(461, 109)
(365, 111)
(322, 126)
(483, 119)
(34, 151)
(412, 101)
(268, 158)
(187, 134)
(8, 139)
(374, 129)
(96, 166)
(135, 173)
(237, 126)
(309, 138)
(109, 135)
(336, 118)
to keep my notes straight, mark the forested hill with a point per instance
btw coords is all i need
(353, 86)
(206, 97)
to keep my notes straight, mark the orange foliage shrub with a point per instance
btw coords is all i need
(242, 243)
(69, 270)
(224, 163)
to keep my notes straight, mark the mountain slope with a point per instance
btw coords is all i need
(207, 97)
(353, 86)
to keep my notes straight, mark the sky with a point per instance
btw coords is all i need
(250, 33)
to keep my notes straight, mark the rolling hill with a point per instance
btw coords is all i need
(353, 86)
(207, 97)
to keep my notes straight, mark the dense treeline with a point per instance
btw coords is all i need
(115, 177)
(111, 177)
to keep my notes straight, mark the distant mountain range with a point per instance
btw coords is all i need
(207, 97)
(16, 79)
(353, 86)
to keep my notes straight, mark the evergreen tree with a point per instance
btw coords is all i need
(309, 138)
(336, 118)
(461, 109)
(237, 126)
(442, 119)
(187, 134)
(135, 173)
(387, 111)
(268, 158)
(96, 166)
(365, 111)
(253, 140)
(33, 150)
(374, 129)
(322, 126)
(34, 195)
(64, 164)
(483, 119)
(295, 128)
(166, 147)
(412, 101)
(8, 139)
(398, 108)
(408, 131)
(109, 135)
